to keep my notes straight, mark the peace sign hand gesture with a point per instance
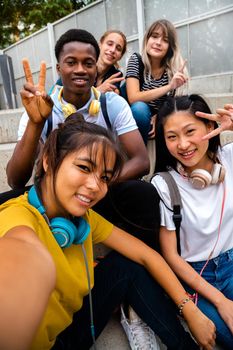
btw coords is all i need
(224, 118)
(179, 77)
(34, 98)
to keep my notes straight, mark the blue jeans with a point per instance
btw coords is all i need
(117, 280)
(219, 273)
(142, 114)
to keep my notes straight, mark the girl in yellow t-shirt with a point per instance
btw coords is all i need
(47, 241)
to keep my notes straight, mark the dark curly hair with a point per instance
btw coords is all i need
(80, 35)
(189, 103)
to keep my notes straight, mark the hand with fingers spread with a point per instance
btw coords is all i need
(34, 98)
(224, 117)
(109, 84)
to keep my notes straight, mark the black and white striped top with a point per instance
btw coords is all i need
(134, 70)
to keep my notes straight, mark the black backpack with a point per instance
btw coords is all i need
(5, 196)
(175, 202)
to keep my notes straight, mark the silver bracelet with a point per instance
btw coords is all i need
(182, 304)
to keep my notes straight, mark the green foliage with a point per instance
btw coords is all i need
(20, 18)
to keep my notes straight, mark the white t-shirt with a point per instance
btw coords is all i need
(201, 212)
(119, 114)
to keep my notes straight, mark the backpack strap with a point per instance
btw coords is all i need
(141, 69)
(5, 196)
(104, 110)
(49, 125)
(175, 202)
(50, 118)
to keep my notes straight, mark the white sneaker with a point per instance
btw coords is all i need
(140, 336)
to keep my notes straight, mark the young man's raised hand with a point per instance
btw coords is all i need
(36, 101)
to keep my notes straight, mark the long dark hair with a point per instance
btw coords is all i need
(188, 103)
(75, 134)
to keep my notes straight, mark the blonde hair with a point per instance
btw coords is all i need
(173, 59)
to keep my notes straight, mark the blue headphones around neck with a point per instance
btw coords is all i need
(65, 231)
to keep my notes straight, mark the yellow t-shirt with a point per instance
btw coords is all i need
(71, 283)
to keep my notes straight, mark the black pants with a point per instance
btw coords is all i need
(117, 280)
(133, 206)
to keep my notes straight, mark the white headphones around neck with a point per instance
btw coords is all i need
(201, 178)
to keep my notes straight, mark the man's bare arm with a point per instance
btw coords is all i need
(38, 106)
(138, 163)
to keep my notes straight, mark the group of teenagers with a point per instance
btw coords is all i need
(86, 147)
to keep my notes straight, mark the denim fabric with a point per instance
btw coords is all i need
(142, 114)
(219, 273)
(119, 279)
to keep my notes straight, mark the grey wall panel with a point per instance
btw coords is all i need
(182, 33)
(26, 49)
(171, 9)
(122, 15)
(64, 25)
(198, 7)
(211, 50)
(13, 53)
(41, 48)
(49, 79)
(93, 19)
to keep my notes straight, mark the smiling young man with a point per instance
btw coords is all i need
(77, 52)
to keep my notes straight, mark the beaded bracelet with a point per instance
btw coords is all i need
(182, 304)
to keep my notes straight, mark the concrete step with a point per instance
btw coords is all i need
(113, 336)
(9, 121)
(5, 154)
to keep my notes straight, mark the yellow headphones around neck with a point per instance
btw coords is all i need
(68, 108)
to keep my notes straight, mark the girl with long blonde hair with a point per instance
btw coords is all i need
(158, 72)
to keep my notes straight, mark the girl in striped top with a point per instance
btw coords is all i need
(158, 72)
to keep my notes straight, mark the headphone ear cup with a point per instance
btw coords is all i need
(68, 109)
(83, 229)
(200, 178)
(34, 200)
(63, 231)
(94, 107)
(222, 174)
(66, 232)
(218, 173)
